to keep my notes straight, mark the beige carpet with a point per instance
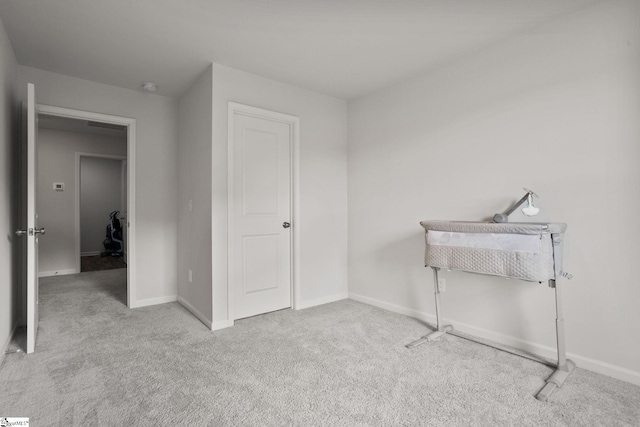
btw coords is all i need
(97, 363)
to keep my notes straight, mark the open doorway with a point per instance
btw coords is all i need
(102, 211)
(97, 153)
(76, 201)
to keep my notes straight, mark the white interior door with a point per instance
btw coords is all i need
(32, 231)
(261, 215)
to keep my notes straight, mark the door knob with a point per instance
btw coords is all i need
(286, 225)
(31, 232)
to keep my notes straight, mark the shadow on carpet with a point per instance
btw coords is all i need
(99, 263)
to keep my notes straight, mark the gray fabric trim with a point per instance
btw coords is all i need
(492, 227)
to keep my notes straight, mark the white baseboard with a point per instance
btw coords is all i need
(221, 325)
(300, 306)
(154, 301)
(92, 253)
(583, 362)
(57, 272)
(324, 300)
(201, 317)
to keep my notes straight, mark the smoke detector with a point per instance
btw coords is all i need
(149, 87)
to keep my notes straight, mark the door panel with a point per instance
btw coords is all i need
(32, 231)
(261, 246)
(260, 262)
(260, 172)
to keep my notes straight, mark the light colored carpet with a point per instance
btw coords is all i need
(98, 363)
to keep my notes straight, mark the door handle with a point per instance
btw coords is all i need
(286, 225)
(31, 232)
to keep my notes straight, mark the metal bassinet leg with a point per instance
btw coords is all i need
(441, 329)
(565, 366)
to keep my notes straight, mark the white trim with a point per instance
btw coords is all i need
(294, 123)
(223, 324)
(230, 126)
(201, 317)
(131, 181)
(123, 201)
(324, 300)
(154, 301)
(79, 156)
(583, 362)
(295, 214)
(58, 272)
(92, 253)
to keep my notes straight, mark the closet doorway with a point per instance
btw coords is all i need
(101, 211)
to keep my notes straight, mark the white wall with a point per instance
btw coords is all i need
(100, 194)
(156, 169)
(555, 110)
(56, 209)
(194, 184)
(10, 272)
(323, 182)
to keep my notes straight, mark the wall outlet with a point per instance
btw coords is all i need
(190, 205)
(442, 284)
(190, 276)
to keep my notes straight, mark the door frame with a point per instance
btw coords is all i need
(123, 200)
(130, 124)
(79, 156)
(294, 165)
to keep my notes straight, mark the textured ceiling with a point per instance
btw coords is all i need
(342, 48)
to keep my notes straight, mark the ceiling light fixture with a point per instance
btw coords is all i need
(149, 87)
